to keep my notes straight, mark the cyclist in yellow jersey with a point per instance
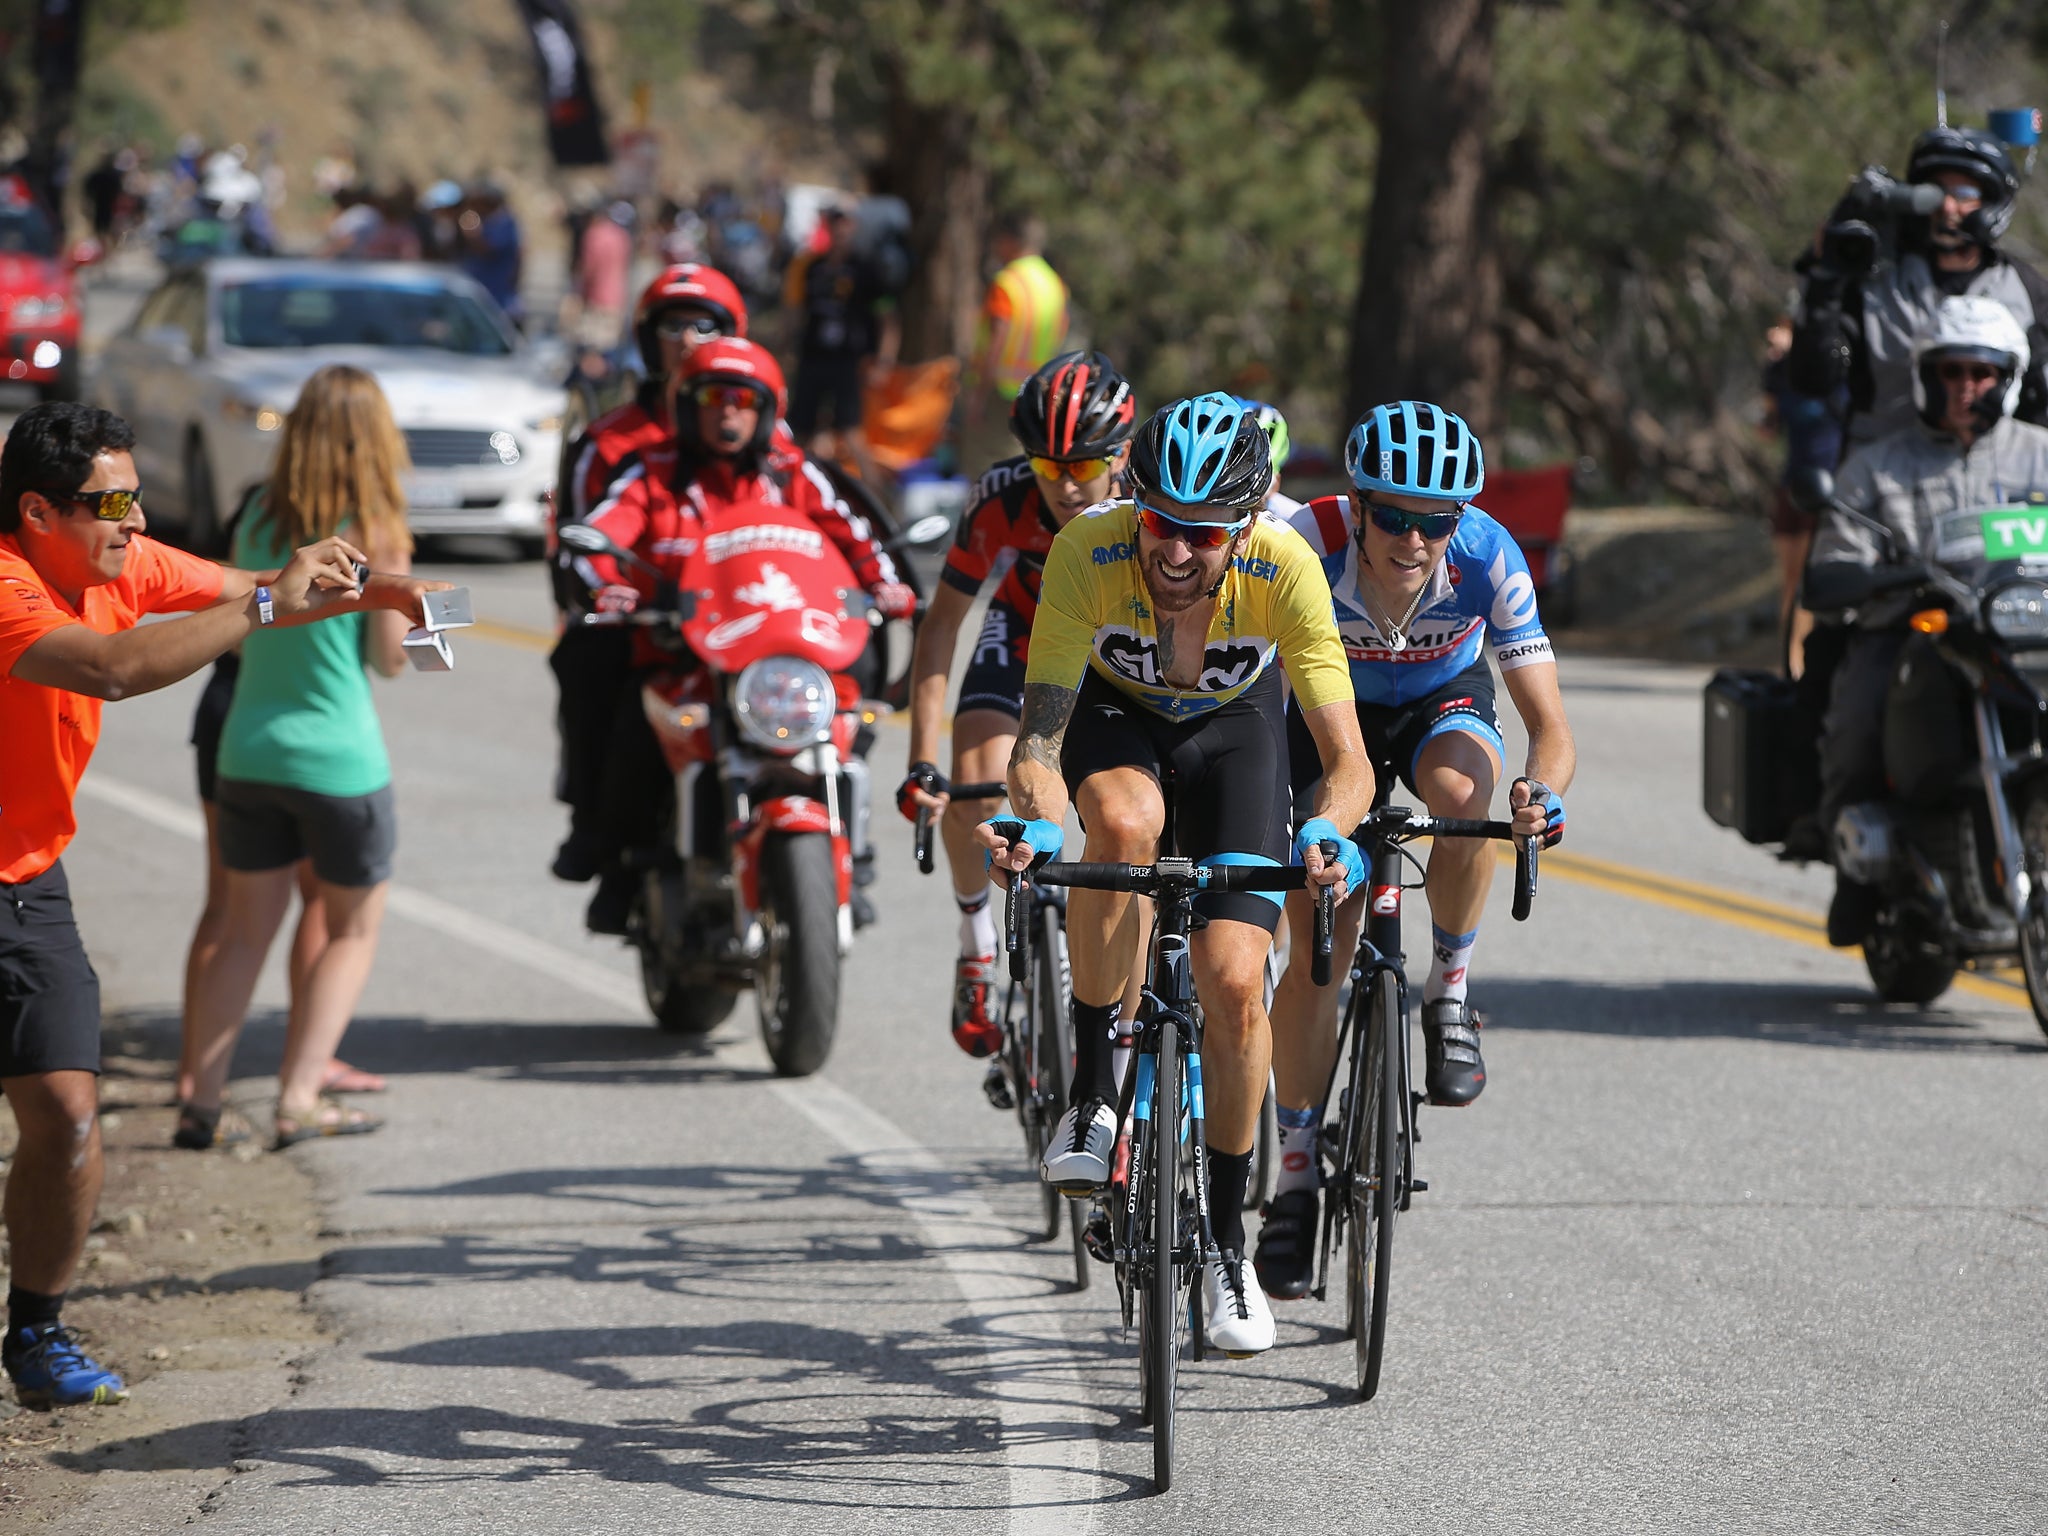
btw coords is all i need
(1152, 662)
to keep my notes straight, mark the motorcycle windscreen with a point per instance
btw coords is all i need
(769, 583)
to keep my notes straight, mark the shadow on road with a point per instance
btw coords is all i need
(1783, 1012)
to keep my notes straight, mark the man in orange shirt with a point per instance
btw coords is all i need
(76, 577)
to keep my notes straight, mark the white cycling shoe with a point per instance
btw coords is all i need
(1076, 1160)
(1240, 1323)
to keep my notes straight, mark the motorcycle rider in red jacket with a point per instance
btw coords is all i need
(684, 307)
(726, 399)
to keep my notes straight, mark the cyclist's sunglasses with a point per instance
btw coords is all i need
(1398, 521)
(107, 506)
(1076, 470)
(1194, 535)
(676, 327)
(718, 396)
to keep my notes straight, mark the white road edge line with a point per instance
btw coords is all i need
(1044, 1497)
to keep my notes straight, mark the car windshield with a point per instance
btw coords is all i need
(24, 231)
(269, 313)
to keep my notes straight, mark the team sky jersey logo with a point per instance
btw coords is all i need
(1227, 665)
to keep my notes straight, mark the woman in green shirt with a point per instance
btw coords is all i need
(302, 771)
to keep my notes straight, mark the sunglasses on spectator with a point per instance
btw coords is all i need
(1195, 535)
(1398, 521)
(1967, 192)
(107, 506)
(718, 396)
(1956, 373)
(1076, 470)
(676, 327)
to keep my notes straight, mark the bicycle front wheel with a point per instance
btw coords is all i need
(1160, 1303)
(1379, 1182)
(1052, 992)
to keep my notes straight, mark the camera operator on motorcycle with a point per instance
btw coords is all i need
(1964, 451)
(726, 401)
(683, 308)
(1887, 257)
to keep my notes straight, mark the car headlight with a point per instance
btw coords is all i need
(39, 311)
(546, 423)
(784, 703)
(248, 413)
(2018, 614)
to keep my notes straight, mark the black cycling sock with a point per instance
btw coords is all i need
(30, 1309)
(1094, 1051)
(1230, 1174)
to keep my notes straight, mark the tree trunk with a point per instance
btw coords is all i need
(1429, 295)
(932, 160)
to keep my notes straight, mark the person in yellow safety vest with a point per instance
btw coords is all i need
(1023, 326)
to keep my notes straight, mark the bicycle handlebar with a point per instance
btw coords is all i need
(1400, 824)
(921, 838)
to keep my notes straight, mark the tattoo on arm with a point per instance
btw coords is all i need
(1047, 709)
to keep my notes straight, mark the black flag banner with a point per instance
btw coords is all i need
(575, 122)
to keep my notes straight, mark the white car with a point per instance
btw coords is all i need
(215, 358)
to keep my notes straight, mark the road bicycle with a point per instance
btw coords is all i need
(1162, 1230)
(1029, 1073)
(1370, 1149)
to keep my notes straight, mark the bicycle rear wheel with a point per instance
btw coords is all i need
(1038, 1070)
(1051, 999)
(1383, 1146)
(1162, 1312)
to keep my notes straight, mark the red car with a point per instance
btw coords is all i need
(39, 299)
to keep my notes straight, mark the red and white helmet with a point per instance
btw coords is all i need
(733, 360)
(692, 283)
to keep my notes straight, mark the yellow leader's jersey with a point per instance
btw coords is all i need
(1094, 611)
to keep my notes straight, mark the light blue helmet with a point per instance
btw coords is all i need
(1208, 451)
(1413, 448)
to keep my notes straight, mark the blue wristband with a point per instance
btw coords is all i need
(1320, 829)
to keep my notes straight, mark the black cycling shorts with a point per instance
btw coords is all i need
(210, 717)
(1225, 774)
(995, 675)
(49, 992)
(1395, 734)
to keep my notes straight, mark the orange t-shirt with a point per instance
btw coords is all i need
(46, 734)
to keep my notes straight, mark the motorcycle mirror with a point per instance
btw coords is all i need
(592, 541)
(1811, 488)
(926, 531)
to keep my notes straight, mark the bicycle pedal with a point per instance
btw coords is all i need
(996, 1089)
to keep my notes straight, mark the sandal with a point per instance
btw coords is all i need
(326, 1118)
(200, 1130)
(340, 1077)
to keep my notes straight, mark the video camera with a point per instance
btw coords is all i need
(1863, 232)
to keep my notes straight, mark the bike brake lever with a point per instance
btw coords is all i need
(1326, 926)
(1013, 927)
(922, 839)
(1525, 878)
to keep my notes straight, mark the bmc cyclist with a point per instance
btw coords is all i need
(1424, 583)
(1074, 419)
(1152, 661)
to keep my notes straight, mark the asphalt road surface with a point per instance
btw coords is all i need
(1724, 1246)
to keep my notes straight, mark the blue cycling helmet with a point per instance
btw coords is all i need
(1275, 427)
(1413, 448)
(1208, 451)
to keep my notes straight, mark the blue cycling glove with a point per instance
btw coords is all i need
(1320, 829)
(1552, 802)
(1045, 837)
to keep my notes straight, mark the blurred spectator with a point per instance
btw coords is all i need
(681, 235)
(849, 325)
(102, 187)
(440, 206)
(392, 237)
(1812, 430)
(355, 219)
(490, 250)
(604, 261)
(1023, 323)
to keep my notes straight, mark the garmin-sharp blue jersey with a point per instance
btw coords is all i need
(1481, 594)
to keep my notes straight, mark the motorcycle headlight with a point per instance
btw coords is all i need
(2018, 614)
(784, 703)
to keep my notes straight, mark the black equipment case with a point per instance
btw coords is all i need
(1759, 766)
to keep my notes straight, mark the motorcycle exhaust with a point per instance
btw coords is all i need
(1866, 843)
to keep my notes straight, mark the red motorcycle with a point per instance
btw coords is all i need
(758, 721)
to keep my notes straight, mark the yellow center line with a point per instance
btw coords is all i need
(518, 635)
(1740, 911)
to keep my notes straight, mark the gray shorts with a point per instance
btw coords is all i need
(349, 838)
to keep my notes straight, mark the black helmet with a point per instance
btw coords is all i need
(1979, 156)
(1076, 407)
(1208, 451)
